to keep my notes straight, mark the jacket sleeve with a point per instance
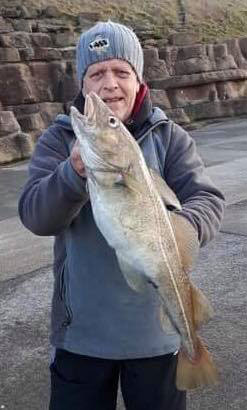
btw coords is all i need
(202, 203)
(54, 193)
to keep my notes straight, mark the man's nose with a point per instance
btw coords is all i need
(110, 81)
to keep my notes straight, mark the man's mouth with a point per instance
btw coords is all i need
(112, 100)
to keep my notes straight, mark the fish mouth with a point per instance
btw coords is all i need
(89, 109)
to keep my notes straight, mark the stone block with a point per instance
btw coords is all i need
(150, 55)
(64, 39)
(30, 12)
(153, 66)
(88, 16)
(157, 70)
(225, 63)
(216, 109)
(233, 48)
(20, 40)
(243, 46)
(51, 27)
(196, 51)
(26, 144)
(5, 41)
(160, 98)
(49, 111)
(68, 88)
(47, 54)
(31, 122)
(224, 91)
(169, 55)
(17, 147)
(51, 80)
(40, 40)
(27, 54)
(51, 11)
(178, 115)
(22, 25)
(68, 53)
(197, 79)
(232, 90)
(180, 97)
(9, 149)
(24, 109)
(4, 26)
(193, 66)
(11, 12)
(9, 55)
(183, 39)
(8, 123)
(20, 87)
(220, 50)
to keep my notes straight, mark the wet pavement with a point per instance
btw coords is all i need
(26, 284)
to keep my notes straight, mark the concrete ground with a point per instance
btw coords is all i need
(26, 284)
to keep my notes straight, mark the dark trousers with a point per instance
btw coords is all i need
(87, 383)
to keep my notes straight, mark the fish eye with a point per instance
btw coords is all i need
(113, 122)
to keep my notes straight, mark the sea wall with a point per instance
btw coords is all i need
(189, 80)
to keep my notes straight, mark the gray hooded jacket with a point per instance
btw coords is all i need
(94, 312)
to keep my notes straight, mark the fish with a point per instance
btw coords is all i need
(138, 214)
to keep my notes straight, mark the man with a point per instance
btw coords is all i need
(101, 329)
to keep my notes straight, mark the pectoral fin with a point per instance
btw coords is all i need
(186, 238)
(169, 197)
(134, 279)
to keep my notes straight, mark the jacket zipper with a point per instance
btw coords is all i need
(64, 298)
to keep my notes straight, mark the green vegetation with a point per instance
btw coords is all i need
(212, 20)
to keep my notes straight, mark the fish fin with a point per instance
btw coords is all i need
(133, 278)
(169, 197)
(192, 374)
(202, 310)
(187, 240)
(132, 183)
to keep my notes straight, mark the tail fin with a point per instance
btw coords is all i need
(193, 374)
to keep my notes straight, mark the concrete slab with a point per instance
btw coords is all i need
(231, 178)
(21, 251)
(11, 183)
(235, 220)
(221, 274)
(24, 354)
(216, 154)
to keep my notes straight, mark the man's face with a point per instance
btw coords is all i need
(115, 82)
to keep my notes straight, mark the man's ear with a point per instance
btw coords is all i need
(138, 87)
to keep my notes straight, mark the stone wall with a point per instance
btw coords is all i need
(37, 75)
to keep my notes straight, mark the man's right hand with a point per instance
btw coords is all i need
(76, 160)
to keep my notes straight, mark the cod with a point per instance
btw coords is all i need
(134, 208)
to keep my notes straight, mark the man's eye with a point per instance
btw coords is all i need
(96, 75)
(123, 74)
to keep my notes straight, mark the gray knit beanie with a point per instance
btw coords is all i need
(106, 41)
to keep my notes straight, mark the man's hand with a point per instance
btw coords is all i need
(76, 160)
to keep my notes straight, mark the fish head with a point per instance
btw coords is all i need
(104, 140)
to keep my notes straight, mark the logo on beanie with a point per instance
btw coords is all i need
(99, 45)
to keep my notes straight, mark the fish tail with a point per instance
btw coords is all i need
(195, 373)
